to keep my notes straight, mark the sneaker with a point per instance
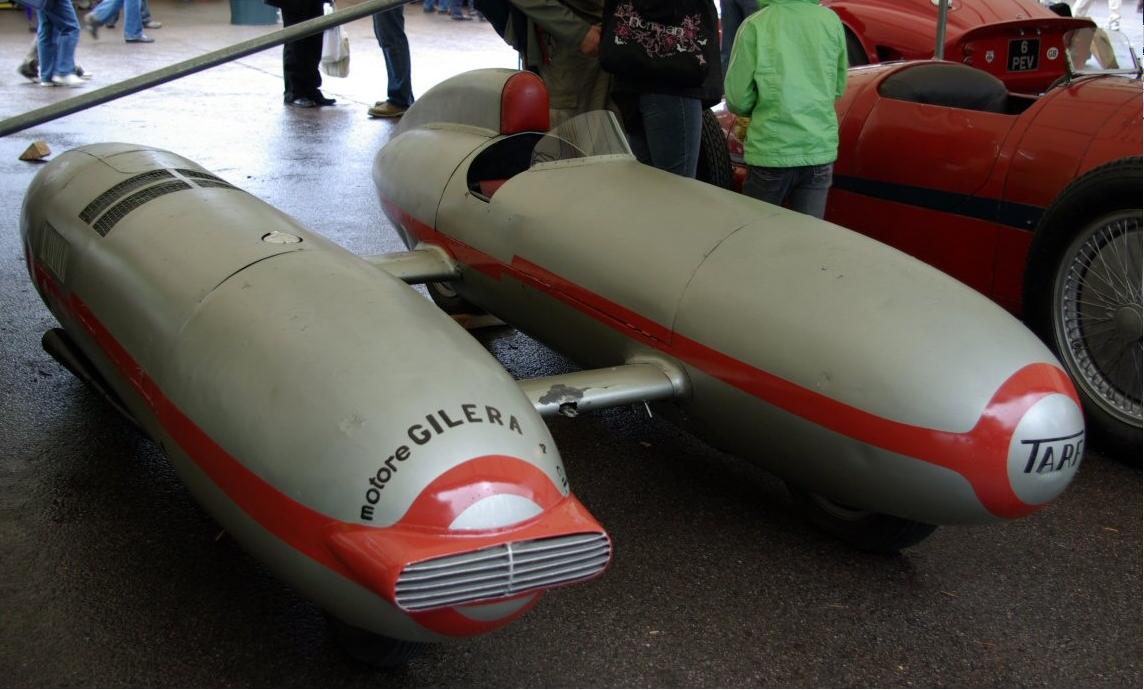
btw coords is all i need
(44, 83)
(152, 24)
(302, 103)
(462, 18)
(387, 109)
(91, 25)
(109, 25)
(68, 80)
(82, 73)
(141, 38)
(29, 70)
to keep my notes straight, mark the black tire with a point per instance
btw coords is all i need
(445, 297)
(855, 54)
(862, 529)
(714, 158)
(1082, 295)
(370, 648)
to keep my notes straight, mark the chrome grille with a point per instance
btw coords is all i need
(501, 571)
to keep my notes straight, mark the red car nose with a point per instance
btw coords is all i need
(463, 544)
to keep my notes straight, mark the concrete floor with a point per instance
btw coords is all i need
(110, 574)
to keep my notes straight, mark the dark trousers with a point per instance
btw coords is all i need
(300, 58)
(389, 29)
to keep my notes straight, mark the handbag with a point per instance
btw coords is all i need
(335, 49)
(657, 42)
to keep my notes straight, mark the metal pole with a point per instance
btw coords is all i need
(195, 64)
(942, 12)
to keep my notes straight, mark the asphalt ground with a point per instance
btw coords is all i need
(111, 575)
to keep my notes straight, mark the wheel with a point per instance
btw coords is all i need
(370, 648)
(714, 159)
(451, 303)
(855, 54)
(1082, 295)
(862, 529)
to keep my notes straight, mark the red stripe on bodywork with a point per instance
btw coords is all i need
(310, 532)
(988, 440)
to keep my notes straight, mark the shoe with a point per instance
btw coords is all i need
(109, 25)
(91, 25)
(141, 38)
(462, 18)
(152, 24)
(82, 73)
(68, 80)
(302, 103)
(1114, 25)
(387, 109)
(442, 11)
(29, 70)
(319, 99)
(44, 83)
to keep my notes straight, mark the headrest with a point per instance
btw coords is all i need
(949, 84)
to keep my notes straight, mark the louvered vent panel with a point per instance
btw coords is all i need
(501, 571)
(54, 252)
(204, 178)
(221, 184)
(119, 211)
(92, 210)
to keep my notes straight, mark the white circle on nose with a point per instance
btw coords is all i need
(1046, 449)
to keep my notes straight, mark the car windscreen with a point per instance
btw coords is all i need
(595, 133)
(1100, 51)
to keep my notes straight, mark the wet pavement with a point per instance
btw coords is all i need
(111, 575)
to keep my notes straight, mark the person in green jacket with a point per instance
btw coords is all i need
(788, 67)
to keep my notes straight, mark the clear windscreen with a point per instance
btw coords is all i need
(1100, 51)
(596, 133)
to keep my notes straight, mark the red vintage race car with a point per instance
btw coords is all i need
(1033, 201)
(1020, 42)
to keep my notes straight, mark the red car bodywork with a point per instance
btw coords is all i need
(1021, 42)
(964, 190)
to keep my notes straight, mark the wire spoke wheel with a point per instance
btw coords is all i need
(1097, 313)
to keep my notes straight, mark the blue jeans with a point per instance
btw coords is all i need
(731, 15)
(389, 29)
(669, 137)
(132, 15)
(144, 14)
(804, 187)
(454, 6)
(56, 39)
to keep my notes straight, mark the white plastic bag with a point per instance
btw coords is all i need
(335, 49)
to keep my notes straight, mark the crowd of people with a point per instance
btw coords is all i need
(780, 63)
(51, 59)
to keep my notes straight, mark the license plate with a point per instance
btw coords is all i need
(1024, 54)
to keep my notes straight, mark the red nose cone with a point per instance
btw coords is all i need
(434, 565)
